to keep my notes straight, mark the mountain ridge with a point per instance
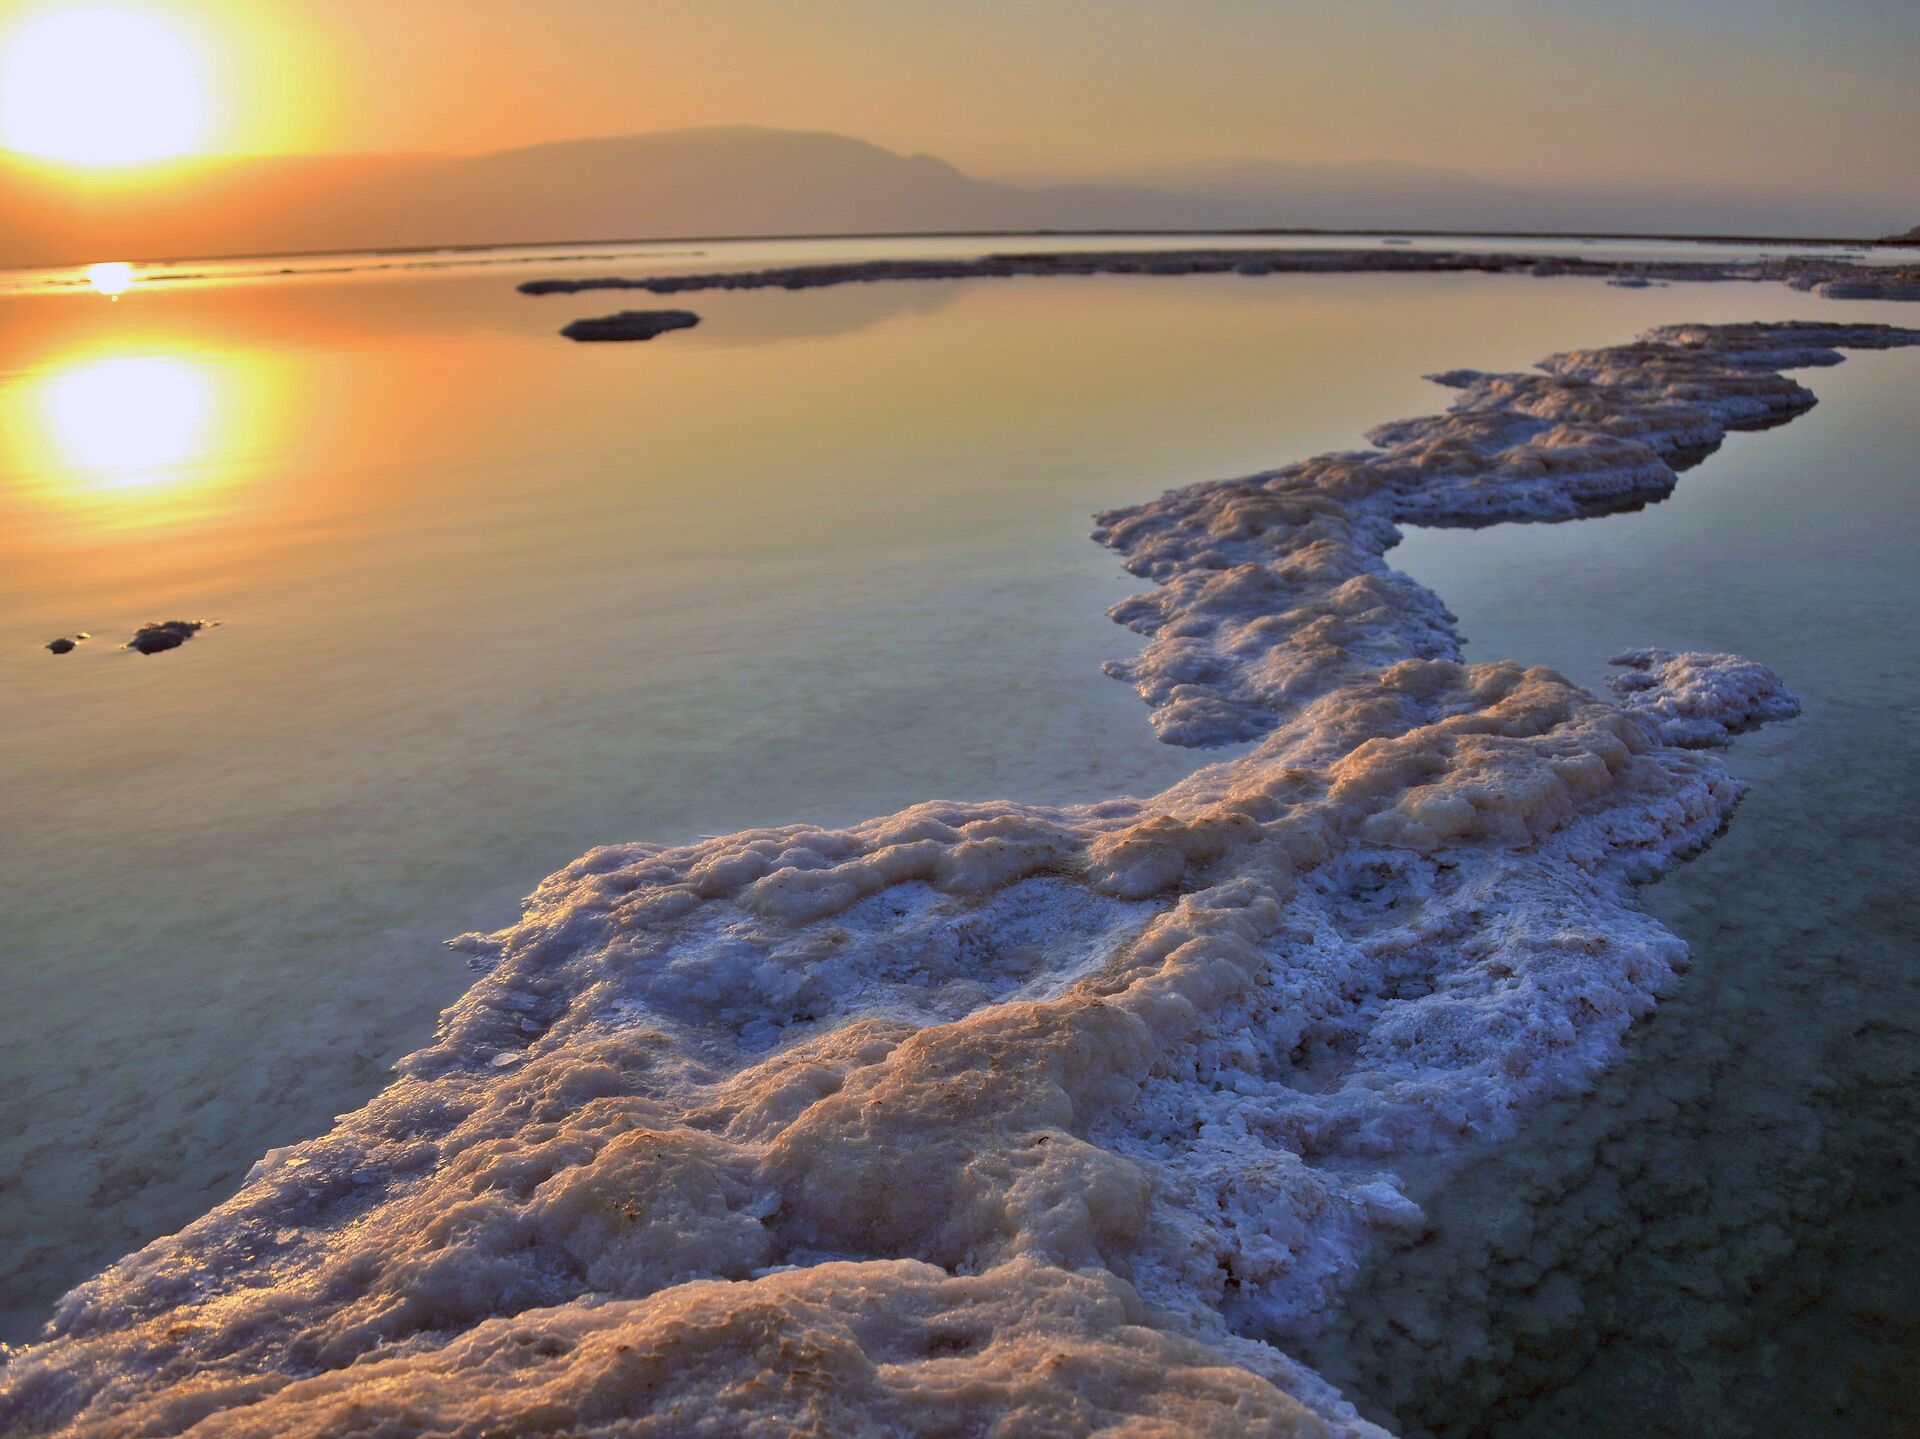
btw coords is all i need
(740, 180)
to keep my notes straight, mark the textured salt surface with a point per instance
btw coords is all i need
(1717, 1238)
(1063, 1120)
(1695, 699)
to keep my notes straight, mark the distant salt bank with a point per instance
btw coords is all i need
(631, 325)
(1831, 278)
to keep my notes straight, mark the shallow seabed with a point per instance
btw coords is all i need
(1719, 1239)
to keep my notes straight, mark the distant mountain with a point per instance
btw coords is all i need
(1908, 237)
(1372, 195)
(1381, 195)
(740, 180)
(674, 184)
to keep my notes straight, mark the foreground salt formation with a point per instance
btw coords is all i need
(1000, 1117)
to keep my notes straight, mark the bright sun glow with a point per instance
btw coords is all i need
(112, 278)
(150, 430)
(130, 419)
(101, 85)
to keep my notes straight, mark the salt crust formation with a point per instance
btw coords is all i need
(993, 1118)
(1832, 278)
(1694, 699)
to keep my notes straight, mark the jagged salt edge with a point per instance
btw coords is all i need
(1696, 699)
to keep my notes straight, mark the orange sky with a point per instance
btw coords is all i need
(1741, 92)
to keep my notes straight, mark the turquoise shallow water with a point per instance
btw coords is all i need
(1720, 1240)
(489, 599)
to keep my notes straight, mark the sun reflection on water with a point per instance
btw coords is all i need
(130, 420)
(118, 439)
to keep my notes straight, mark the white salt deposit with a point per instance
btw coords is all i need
(1695, 699)
(998, 1117)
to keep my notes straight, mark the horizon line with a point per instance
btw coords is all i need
(468, 247)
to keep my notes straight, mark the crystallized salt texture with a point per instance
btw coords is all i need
(1700, 699)
(997, 1117)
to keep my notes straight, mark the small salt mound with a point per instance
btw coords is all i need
(1696, 700)
(631, 325)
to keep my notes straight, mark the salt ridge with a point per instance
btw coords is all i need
(1057, 1120)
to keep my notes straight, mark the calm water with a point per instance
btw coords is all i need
(488, 598)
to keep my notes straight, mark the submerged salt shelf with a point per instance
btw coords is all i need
(1717, 1237)
(1063, 1116)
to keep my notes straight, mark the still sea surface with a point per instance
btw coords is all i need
(486, 598)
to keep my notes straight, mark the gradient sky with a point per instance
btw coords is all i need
(1819, 95)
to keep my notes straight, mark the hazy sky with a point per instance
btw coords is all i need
(1772, 94)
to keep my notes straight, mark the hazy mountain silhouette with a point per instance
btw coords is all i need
(750, 181)
(1388, 195)
(704, 182)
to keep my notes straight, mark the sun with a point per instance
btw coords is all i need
(112, 278)
(101, 85)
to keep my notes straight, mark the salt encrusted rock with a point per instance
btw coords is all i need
(996, 1117)
(1694, 699)
(159, 635)
(631, 325)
